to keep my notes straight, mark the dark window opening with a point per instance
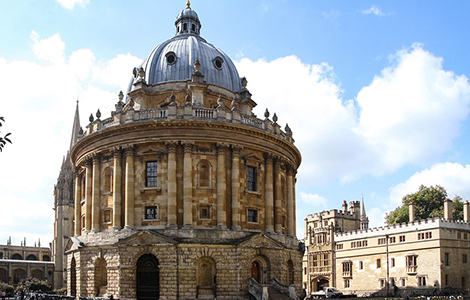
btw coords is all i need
(150, 212)
(151, 174)
(251, 179)
(252, 216)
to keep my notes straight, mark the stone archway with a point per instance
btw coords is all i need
(206, 278)
(317, 284)
(148, 278)
(260, 269)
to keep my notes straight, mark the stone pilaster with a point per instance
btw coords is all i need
(117, 195)
(221, 186)
(129, 189)
(278, 197)
(187, 184)
(95, 197)
(78, 206)
(171, 194)
(88, 194)
(290, 202)
(236, 187)
(269, 193)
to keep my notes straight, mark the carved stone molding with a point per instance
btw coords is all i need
(221, 148)
(268, 157)
(129, 150)
(171, 146)
(236, 149)
(188, 146)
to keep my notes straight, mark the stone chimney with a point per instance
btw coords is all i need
(465, 211)
(345, 206)
(447, 209)
(411, 211)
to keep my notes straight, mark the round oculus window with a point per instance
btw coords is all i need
(170, 58)
(218, 61)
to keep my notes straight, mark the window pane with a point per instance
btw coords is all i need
(151, 212)
(251, 179)
(151, 175)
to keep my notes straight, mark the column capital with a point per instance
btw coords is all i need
(290, 170)
(221, 147)
(88, 160)
(188, 146)
(236, 149)
(96, 158)
(116, 151)
(268, 157)
(129, 150)
(171, 146)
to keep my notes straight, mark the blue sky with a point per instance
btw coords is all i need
(376, 92)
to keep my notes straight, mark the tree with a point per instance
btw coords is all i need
(428, 203)
(5, 139)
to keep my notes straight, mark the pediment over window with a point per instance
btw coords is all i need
(145, 237)
(251, 157)
(261, 241)
(73, 244)
(150, 151)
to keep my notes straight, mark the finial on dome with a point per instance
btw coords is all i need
(188, 3)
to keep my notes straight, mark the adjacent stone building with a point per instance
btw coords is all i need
(182, 193)
(418, 257)
(21, 262)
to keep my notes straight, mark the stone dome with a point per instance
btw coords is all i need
(173, 60)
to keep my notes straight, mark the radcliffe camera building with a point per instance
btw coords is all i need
(182, 193)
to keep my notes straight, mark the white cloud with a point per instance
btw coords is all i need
(50, 49)
(454, 177)
(314, 200)
(396, 120)
(70, 4)
(39, 115)
(373, 10)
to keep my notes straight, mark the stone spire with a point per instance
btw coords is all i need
(75, 128)
(364, 218)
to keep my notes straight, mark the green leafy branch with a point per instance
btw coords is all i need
(4, 140)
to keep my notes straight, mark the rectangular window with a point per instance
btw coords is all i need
(421, 280)
(252, 216)
(459, 235)
(392, 262)
(447, 259)
(361, 265)
(403, 282)
(151, 174)
(381, 283)
(150, 212)
(446, 279)
(382, 241)
(204, 212)
(464, 258)
(347, 283)
(402, 238)
(107, 216)
(379, 263)
(392, 240)
(339, 246)
(251, 179)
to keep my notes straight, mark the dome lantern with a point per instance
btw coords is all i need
(187, 22)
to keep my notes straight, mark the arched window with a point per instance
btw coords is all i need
(18, 275)
(101, 276)
(290, 272)
(185, 26)
(3, 276)
(31, 257)
(46, 258)
(73, 277)
(193, 27)
(17, 256)
(148, 278)
(204, 174)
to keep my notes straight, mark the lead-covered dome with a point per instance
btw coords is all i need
(173, 60)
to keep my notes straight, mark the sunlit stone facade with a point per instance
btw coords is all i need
(183, 193)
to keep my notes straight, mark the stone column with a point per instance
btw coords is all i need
(129, 189)
(95, 198)
(236, 187)
(221, 186)
(290, 202)
(269, 193)
(171, 185)
(278, 197)
(78, 204)
(188, 184)
(117, 197)
(88, 193)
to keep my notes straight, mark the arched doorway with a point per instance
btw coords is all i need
(73, 277)
(256, 271)
(101, 277)
(206, 278)
(148, 278)
(318, 284)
